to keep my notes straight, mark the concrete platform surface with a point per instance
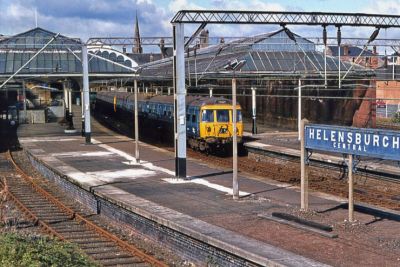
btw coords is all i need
(202, 206)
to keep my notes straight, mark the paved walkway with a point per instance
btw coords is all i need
(203, 205)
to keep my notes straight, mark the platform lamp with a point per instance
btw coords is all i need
(233, 66)
(339, 41)
(136, 119)
(325, 41)
(299, 106)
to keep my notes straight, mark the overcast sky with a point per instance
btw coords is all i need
(90, 18)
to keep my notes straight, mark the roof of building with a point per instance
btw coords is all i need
(61, 56)
(143, 58)
(387, 73)
(272, 59)
(353, 51)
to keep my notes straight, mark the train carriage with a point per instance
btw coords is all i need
(208, 120)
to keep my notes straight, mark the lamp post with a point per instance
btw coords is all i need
(254, 106)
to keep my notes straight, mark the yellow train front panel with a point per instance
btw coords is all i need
(216, 123)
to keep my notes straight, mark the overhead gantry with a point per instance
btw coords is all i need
(283, 19)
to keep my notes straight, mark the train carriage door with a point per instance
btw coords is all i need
(195, 122)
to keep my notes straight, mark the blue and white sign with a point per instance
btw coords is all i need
(356, 141)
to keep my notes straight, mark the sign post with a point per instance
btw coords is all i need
(299, 109)
(351, 141)
(304, 167)
(351, 189)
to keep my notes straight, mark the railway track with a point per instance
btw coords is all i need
(372, 188)
(63, 222)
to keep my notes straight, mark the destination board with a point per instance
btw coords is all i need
(374, 143)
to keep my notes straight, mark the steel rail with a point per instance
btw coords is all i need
(124, 245)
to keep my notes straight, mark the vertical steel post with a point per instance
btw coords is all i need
(325, 40)
(211, 91)
(325, 72)
(82, 115)
(24, 95)
(86, 93)
(136, 123)
(393, 68)
(254, 111)
(304, 168)
(65, 100)
(70, 102)
(235, 185)
(351, 189)
(179, 59)
(386, 110)
(195, 66)
(299, 110)
(339, 40)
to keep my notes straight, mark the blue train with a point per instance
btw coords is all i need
(208, 120)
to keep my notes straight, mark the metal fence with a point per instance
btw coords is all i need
(387, 111)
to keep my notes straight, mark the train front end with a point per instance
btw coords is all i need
(216, 124)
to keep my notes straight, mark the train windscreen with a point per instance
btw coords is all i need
(207, 115)
(223, 115)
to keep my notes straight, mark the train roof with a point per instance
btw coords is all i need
(193, 100)
(197, 101)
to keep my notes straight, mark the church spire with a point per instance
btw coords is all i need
(137, 48)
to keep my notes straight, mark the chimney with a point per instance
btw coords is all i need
(204, 38)
(162, 47)
(124, 50)
(345, 50)
(151, 57)
(222, 40)
(374, 50)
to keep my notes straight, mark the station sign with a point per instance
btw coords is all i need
(374, 143)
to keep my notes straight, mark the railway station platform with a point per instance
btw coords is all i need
(201, 208)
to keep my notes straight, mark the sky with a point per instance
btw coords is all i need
(106, 18)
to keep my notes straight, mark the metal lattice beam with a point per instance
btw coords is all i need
(286, 18)
(126, 41)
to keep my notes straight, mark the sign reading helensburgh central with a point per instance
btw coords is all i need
(356, 141)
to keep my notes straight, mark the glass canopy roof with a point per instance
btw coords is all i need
(62, 56)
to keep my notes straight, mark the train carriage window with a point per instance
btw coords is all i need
(193, 118)
(239, 115)
(207, 115)
(188, 117)
(223, 115)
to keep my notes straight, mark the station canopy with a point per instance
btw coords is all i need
(266, 55)
(61, 58)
